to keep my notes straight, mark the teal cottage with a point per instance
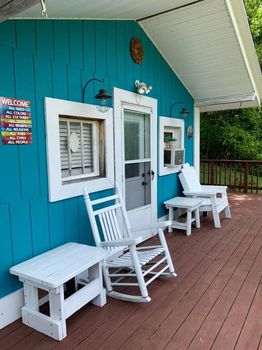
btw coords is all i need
(163, 65)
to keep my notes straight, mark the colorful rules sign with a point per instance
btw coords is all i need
(16, 123)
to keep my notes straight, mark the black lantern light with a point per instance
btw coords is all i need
(183, 112)
(101, 99)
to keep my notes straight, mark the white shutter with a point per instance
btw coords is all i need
(63, 148)
(80, 161)
(87, 145)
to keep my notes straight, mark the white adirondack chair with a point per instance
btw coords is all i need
(215, 197)
(126, 261)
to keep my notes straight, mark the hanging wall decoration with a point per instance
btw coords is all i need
(136, 50)
(16, 123)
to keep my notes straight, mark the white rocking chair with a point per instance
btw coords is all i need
(127, 261)
(215, 197)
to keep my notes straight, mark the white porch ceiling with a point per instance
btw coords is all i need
(207, 43)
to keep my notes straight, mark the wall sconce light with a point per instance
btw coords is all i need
(142, 88)
(183, 112)
(189, 131)
(101, 99)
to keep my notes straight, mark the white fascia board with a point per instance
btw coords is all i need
(226, 100)
(239, 19)
(229, 106)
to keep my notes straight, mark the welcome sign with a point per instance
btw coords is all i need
(16, 123)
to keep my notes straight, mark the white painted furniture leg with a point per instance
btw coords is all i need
(31, 297)
(57, 311)
(197, 217)
(216, 218)
(189, 219)
(228, 212)
(95, 273)
(170, 218)
(168, 257)
(139, 274)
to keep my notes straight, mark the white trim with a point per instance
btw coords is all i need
(172, 123)
(129, 100)
(54, 108)
(163, 218)
(239, 20)
(10, 307)
(225, 100)
(197, 140)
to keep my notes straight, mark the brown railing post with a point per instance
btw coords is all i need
(246, 178)
(212, 179)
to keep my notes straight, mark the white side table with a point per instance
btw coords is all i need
(191, 205)
(49, 271)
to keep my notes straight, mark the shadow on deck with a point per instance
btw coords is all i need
(216, 300)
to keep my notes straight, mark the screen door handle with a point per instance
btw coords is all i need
(152, 173)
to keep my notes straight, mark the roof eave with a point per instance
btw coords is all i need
(240, 22)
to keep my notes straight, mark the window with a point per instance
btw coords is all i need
(171, 153)
(79, 148)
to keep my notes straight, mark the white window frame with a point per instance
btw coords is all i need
(167, 124)
(59, 189)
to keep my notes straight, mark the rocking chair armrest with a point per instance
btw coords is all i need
(122, 242)
(161, 224)
(208, 194)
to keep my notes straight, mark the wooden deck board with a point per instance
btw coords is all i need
(214, 302)
(170, 325)
(190, 272)
(252, 330)
(235, 319)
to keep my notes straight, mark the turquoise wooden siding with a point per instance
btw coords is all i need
(55, 59)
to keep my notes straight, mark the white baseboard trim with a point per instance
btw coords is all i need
(10, 307)
(163, 218)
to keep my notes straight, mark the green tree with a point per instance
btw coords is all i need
(254, 14)
(234, 134)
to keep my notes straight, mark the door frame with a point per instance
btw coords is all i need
(137, 103)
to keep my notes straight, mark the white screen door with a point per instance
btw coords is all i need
(138, 172)
(136, 156)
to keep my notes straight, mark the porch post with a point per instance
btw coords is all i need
(197, 140)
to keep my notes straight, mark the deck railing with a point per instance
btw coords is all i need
(239, 175)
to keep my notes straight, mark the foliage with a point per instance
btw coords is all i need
(232, 134)
(236, 134)
(254, 13)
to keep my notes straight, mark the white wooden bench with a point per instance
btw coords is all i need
(49, 272)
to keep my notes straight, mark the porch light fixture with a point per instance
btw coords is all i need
(183, 112)
(101, 99)
(142, 88)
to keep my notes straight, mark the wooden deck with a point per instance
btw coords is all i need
(214, 303)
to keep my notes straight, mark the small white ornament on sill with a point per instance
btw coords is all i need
(74, 142)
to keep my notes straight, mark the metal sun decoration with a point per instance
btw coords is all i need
(101, 99)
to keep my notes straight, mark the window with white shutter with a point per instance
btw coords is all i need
(79, 148)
